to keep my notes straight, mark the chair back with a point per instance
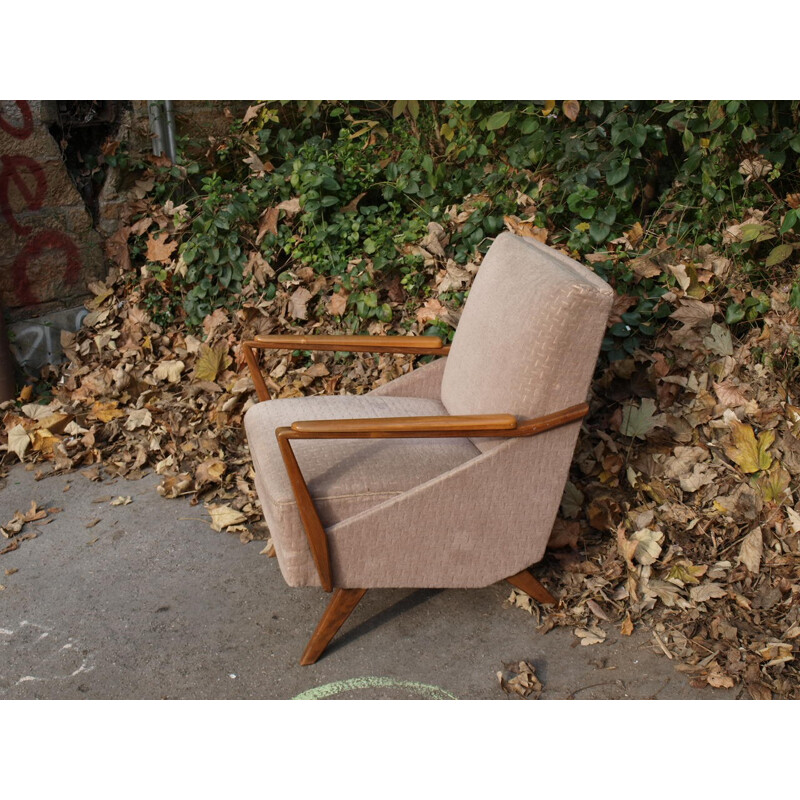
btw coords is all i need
(528, 339)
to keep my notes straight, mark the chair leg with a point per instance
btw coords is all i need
(525, 581)
(339, 609)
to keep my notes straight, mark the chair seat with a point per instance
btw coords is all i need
(344, 477)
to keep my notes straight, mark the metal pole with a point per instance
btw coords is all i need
(154, 111)
(170, 130)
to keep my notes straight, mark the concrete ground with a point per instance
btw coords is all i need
(150, 602)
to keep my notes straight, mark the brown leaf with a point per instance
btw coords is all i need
(18, 441)
(224, 517)
(210, 471)
(298, 303)
(602, 512)
(751, 550)
(105, 412)
(337, 304)
(211, 362)
(571, 109)
(718, 679)
(169, 371)
(252, 112)
(645, 267)
(564, 534)
(173, 486)
(729, 395)
(750, 454)
(626, 629)
(269, 224)
(269, 549)
(520, 679)
(707, 591)
(353, 204)
(159, 249)
(525, 228)
(693, 313)
(759, 691)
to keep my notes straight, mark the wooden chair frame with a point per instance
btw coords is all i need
(493, 425)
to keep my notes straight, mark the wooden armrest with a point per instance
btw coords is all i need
(409, 425)
(474, 425)
(411, 345)
(353, 344)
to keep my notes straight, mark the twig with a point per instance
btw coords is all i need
(571, 695)
(663, 646)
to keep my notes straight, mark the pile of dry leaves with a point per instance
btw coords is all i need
(679, 515)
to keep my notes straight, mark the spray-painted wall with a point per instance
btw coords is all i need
(49, 249)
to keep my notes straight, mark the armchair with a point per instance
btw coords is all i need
(450, 476)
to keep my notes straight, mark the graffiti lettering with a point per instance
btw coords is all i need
(27, 122)
(29, 179)
(48, 240)
(14, 169)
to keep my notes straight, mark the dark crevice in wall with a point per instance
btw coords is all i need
(81, 128)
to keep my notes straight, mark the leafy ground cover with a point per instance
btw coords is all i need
(331, 217)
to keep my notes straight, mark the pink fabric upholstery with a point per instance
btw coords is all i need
(345, 477)
(411, 513)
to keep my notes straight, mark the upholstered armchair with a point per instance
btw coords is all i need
(450, 476)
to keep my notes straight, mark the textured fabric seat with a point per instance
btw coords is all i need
(450, 476)
(345, 477)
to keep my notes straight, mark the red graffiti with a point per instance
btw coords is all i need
(27, 122)
(47, 240)
(14, 169)
(31, 184)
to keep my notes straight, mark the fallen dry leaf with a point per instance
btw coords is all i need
(751, 550)
(210, 362)
(591, 635)
(298, 303)
(169, 371)
(18, 441)
(159, 249)
(520, 679)
(223, 516)
(750, 454)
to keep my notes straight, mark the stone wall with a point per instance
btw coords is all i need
(49, 249)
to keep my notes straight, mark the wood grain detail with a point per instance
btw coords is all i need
(339, 609)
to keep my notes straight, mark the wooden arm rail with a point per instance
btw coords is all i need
(421, 426)
(499, 425)
(411, 345)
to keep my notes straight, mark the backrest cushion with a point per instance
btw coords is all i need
(528, 339)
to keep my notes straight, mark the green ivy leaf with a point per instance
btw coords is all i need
(734, 313)
(498, 120)
(789, 221)
(778, 254)
(617, 174)
(599, 231)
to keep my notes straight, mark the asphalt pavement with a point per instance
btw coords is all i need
(149, 602)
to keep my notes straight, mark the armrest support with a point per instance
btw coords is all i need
(412, 345)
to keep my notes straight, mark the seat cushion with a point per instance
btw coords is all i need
(344, 477)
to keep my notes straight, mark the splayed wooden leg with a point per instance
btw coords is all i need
(525, 581)
(339, 609)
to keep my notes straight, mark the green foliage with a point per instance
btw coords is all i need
(370, 176)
